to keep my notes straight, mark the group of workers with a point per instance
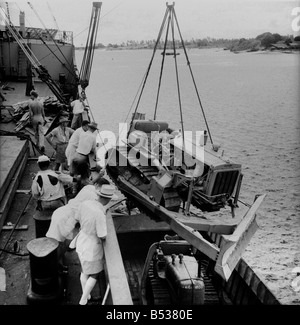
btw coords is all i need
(75, 146)
(87, 209)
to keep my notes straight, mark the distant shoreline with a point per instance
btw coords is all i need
(263, 42)
(258, 51)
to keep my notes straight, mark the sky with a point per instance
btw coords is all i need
(124, 20)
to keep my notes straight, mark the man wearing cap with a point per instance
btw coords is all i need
(79, 111)
(37, 119)
(48, 188)
(91, 215)
(59, 139)
(86, 146)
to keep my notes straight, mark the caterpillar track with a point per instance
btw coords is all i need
(160, 295)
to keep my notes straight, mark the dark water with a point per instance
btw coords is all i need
(251, 102)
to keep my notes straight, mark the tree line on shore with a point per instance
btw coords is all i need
(260, 42)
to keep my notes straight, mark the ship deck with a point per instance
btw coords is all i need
(17, 227)
(18, 164)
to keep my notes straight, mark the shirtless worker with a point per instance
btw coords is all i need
(37, 119)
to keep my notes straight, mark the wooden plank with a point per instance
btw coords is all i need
(233, 246)
(115, 271)
(10, 227)
(202, 224)
(187, 233)
(23, 191)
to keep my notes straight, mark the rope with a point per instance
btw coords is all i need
(192, 75)
(31, 6)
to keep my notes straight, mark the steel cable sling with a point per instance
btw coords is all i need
(162, 67)
(168, 14)
(148, 69)
(192, 75)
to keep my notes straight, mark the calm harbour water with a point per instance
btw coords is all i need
(251, 102)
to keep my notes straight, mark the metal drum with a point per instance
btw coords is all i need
(45, 284)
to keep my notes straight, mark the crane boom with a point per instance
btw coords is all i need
(86, 66)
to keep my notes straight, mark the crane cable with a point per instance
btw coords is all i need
(86, 66)
(148, 70)
(172, 16)
(50, 50)
(161, 69)
(54, 19)
(52, 38)
(192, 75)
(41, 70)
(26, 49)
(171, 7)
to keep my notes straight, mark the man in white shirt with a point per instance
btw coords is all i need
(79, 111)
(86, 147)
(92, 218)
(73, 143)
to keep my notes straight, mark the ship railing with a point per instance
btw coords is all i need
(33, 33)
(118, 291)
(64, 37)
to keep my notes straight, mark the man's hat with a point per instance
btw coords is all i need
(34, 93)
(43, 159)
(107, 191)
(93, 125)
(62, 120)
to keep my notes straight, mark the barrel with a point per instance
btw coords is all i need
(41, 226)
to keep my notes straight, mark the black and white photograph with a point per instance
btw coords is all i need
(149, 156)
